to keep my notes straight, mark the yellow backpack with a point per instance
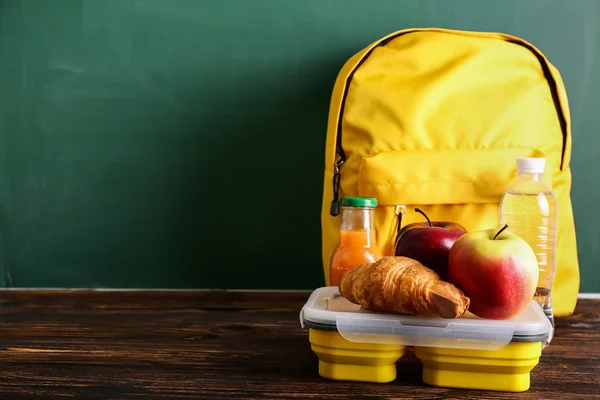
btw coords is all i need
(435, 118)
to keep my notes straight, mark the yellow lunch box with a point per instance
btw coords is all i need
(468, 352)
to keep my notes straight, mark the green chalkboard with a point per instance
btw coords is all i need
(180, 143)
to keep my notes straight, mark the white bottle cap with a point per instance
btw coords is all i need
(531, 165)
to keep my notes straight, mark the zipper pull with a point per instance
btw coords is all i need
(334, 210)
(400, 210)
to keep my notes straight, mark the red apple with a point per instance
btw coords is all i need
(497, 271)
(429, 242)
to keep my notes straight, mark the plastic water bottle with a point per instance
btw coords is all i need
(530, 209)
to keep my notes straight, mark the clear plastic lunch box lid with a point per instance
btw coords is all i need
(326, 309)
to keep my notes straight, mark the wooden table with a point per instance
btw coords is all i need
(226, 345)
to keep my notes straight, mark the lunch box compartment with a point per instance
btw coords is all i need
(468, 352)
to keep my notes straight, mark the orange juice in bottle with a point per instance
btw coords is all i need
(357, 237)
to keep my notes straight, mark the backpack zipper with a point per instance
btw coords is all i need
(334, 209)
(554, 92)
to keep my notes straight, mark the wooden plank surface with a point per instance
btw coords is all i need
(121, 345)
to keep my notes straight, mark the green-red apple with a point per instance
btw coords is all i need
(497, 270)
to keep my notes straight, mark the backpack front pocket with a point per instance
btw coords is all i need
(463, 186)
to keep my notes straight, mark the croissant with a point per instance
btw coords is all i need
(402, 285)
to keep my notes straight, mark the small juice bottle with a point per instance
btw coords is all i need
(357, 237)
